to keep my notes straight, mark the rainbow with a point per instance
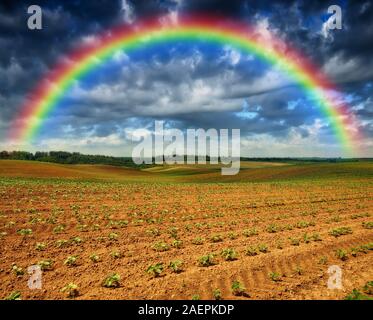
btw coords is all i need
(51, 89)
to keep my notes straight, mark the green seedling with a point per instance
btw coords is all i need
(111, 281)
(207, 260)
(71, 290)
(176, 266)
(229, 254)
(71, 261)
(155, 270)
(217, 294)
(238, 289)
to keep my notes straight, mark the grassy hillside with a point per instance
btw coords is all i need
(250, 172)
(34, 169)
(312, 171)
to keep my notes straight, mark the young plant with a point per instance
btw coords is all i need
(96, 227)
(198, 241)
(71, 261)
(342, 254)
(368, 287)
(25, 232)
(82, 227)
(161, 246)
(232, 235)
(18, 271)
(196, 297)
(176, 266)
(294, 241)
(59, 229)
(306, 238)
(217, 294)
(368, 225)
(113, 236)
(154, 232)
(275, 276)
(94, 258)
(15, 295)
(316, 237)
(354, 251)
(273, 228)
(279, 244)
(337, 232)
(111, 281)
(323, 260)
(238, 289)
(229, 254)
(304, 224)
(77, 240)
(216, 238)
(250, 232)
(366, 247)
(45, 265)
(336, 218)
(62, 243)
(357, 295)
(116, 254)
(207, 260)
(173, 232)
(100, 239)
(177, 244)
(155, 270)
(298, 270)
(71, 290)
(10, 224)
(40, 246)
(251, 251)
(263, 248)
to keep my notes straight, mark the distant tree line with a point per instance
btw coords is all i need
(302, 159)
(64, 157)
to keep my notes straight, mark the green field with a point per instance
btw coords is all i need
(250, 171)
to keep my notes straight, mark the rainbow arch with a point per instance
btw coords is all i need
(44, 98)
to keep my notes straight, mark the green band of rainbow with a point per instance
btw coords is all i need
(54, 86)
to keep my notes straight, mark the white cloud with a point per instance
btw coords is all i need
(90, 39)
(12, 72)
(294, 144)
(271, 80)
(172, 17)
(231, 55)
(119, 56)
(341, 69)
(175, 87)
(262, 29)
(136, 133)
(128, 12)
(267, 35)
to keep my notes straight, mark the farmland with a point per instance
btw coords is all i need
(184, 232)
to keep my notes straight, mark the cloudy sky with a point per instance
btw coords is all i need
(195, 85)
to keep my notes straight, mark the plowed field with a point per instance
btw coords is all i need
(276, 230)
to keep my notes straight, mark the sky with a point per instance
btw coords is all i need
(197, 85)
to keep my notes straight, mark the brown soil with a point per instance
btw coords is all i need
(195, 210)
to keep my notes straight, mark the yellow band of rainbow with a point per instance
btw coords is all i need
(54, 86)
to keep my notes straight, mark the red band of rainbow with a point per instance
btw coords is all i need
(52, 88)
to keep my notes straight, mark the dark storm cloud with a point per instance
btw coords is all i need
(29, 54)
(345, 55)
